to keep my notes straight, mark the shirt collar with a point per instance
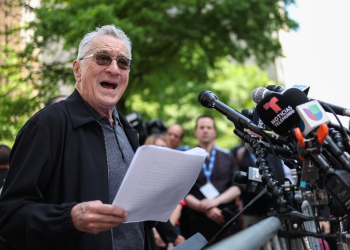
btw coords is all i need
(116, 117)
(99, 117)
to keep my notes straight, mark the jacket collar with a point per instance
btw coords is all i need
(78, 111)
(79, 115)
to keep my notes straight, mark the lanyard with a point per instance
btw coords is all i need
(209, 169)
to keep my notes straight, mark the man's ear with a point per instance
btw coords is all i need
(77, 71)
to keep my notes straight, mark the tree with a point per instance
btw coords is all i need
(19, 92)
(176, 44)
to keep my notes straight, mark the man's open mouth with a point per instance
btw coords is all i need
(109, 85)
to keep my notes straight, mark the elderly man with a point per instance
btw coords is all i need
(205, 210)
(69, 160)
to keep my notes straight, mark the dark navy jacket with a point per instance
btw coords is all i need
(58, 160)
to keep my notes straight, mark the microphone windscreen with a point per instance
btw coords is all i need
(278, 113)
(206, 98)
(258, 94)
(295, 96)
(248, 113)
(257, 121)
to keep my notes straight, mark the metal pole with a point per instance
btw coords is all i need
(251, 238)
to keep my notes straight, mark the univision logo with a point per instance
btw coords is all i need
(313, 112)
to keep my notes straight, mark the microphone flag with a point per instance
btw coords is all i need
(278, 113)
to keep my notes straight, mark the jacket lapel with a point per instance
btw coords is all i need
(130, 132)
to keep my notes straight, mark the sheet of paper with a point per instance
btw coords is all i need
(157, 180)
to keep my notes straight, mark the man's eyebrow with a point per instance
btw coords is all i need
(107, 51)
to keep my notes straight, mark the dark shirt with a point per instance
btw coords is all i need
(222, 176)
(119, 156)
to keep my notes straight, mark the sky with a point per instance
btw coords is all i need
(318, 53)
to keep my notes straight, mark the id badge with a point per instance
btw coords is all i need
(209, 191)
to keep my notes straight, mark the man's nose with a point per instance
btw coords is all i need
(113, 68)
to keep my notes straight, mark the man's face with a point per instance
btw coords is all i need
(102, 86)
(205, 131)
(173, 136)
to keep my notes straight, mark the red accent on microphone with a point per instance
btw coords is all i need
(322, 132)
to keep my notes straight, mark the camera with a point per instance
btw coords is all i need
(145, 129)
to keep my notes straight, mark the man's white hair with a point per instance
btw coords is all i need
(109, 30)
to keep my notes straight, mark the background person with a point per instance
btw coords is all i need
(174, 135)
(205, 214)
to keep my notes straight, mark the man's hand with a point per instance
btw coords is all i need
(206, 204)
(179, 239)
(94, 217)
(215, 215)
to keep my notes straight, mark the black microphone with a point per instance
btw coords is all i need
(261, 92)
(209, 100)
(248, 113)
(275, 88)
(278, 113)
(252, 179)
(252, 115)
(311, 112)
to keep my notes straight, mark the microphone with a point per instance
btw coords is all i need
(248, 113)
(278, 113)
(261, 92)
(209, 100)
(252, 179)
(311, 113)
(275, 88)
(252, 115)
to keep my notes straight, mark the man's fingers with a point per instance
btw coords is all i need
(99, 208)
(95, 217)
(99, 227)
(103, 218)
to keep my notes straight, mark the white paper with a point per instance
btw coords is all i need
(157, 180)
(209, 191)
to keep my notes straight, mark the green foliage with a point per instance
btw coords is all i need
(18, 100)
(233, 85)
(173, 41)
(178, 49)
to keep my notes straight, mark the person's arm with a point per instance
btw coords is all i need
(175, 216)
(226, 197)
(212, 213)
(27, 219)
(193, 203)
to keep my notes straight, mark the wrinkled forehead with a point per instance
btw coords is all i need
(109, 45)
